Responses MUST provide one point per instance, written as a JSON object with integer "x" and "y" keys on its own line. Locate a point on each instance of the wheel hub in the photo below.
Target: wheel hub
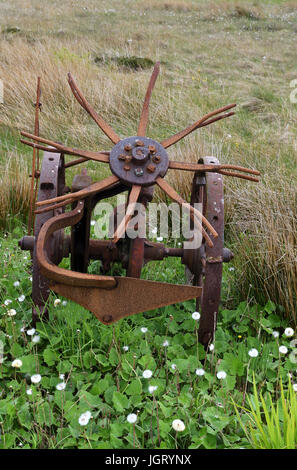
{"x": 138, "y": 160}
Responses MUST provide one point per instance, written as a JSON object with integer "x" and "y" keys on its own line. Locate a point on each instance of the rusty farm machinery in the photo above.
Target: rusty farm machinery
{"x": 137, "y": 164}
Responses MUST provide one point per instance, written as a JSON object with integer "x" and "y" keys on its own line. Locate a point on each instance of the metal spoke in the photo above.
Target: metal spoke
{"x": 87, "y": 154}
{"x": 180, "y": 135}
{"x": 239, "y": 175}
{"x": 194, "y": 213}
{"x": 133, "y": 197}
{"x": 88, "y": 191}
{"x": 108, "y": 131}
{"x": 145, "y": 110}
{"x": 187, "y": 166}
{"x": 54, "y": 206}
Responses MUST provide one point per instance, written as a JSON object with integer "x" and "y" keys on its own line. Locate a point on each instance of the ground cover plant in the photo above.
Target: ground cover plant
{"x": 146, "y": 382}
{"x": 75, "y": 383}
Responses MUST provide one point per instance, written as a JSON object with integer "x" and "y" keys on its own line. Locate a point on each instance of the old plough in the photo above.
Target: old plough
{"x": 137, "y": 164}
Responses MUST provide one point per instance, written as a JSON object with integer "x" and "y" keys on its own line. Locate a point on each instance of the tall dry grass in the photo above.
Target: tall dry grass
{"x": 262, "y": 227}
{"x": 15, "y": 189}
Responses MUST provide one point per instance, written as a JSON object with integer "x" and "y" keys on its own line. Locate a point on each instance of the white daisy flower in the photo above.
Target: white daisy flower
{"x": 154, "y": 230}
{"x": 147, "y": 374}
{"x": 178, "y": 425}
{"x": 211, "y": 347}
{"x": 195, "y": 315}
{"x": 173, "y": 366}
{"x": 57, "y": 302}
{"x": 84, "y": 418}
{"x": 36, "y": 378}
{"x": 21, "y": 298}
{"x": 31, "y": 332}
{"x": 200, "y": 372}
{"x": 165, "y": 343}
{"x": 275, "y": 334}
{"x": 16, "y": 284}
{"x": 29, "y": 391}
{"x": 231, "y": 268}
{"x": 62, "y": 376}
{"x": 221, "y": 375}
{"x": 253, "y": 352}
{"x": 11, "y": 312}
{"x": 36, "y": 339}
{"x": 143, "y": 329}
{"x": 61, "y": 386}
{"x": 17, "y": 363}
{"x": 159, "y": 239}
{"x": 30, "y": 278}
{"x": 7, "y": 302}
{"x": 283, "y": 349}
{"x": 132, "y": 418}
{"x": 125, "y": 348}
{"x": 295, "y": 387}
{"x": 152, "y": 388}
{"x": 289, "y": 332}
{"x": 93, "y": 222}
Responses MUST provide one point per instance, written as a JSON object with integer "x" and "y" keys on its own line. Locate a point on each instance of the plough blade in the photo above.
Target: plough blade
{"x": 130, "y": 296}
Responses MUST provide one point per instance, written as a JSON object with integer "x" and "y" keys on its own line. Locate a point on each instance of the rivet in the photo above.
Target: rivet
{"x": 156, "y": 158}
{"x": 151, "y": 168}
{"x": 138, "y": 171}
{"x": 127, "y": 168}
{"x": 128, "y": 158}
{"x": 139, "y": 143}
{"x": 122, "y": 157}
{"x": 128, "y": 147}
{"x": 152, "y": 148}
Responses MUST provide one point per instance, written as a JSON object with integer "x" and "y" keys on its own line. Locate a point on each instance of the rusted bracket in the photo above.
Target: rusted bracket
{"x": 110, "y": 298}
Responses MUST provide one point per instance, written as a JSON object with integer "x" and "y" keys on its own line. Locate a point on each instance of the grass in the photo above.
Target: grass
{"x": 101, "y": 370}
{"x": 272, "y": 426}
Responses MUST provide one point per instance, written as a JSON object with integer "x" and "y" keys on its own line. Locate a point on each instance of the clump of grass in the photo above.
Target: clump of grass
{"x": 262, "y": 224}
{"x": 271, "y": 424}
{"x": 242, "y": 11}
{"x": 132, "y": 62}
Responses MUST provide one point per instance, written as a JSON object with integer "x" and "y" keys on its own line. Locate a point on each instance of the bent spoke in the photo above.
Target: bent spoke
{"x": 194, "y": 213}
{"x": 88, "y": 191}
{"x": 145, "y": 110}
{"x": 187, "y": 166}
{"x": 108, "y": 131}
{"x": 133, "y": 197}
{"x": 180, "y": 135}
{"x": 87, "y": 154}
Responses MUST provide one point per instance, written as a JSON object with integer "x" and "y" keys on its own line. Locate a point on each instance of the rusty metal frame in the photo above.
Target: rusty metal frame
{"x": 137, "y": 164}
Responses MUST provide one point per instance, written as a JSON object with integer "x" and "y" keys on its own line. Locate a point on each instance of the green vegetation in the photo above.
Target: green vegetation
{"x": 103, "y": 368}
{"x": 211, "y": 54}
